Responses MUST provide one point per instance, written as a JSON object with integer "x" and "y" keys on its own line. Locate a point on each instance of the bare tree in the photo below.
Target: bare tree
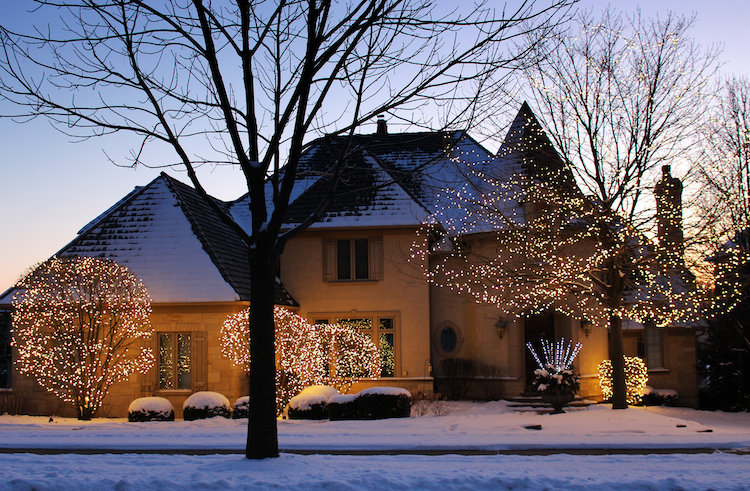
{"x": 620, "y": 97}
{"x": 725, "y": 173}
{"x": 244, "y": 83}
{"x": 725, "y": 208}
{"x": 78, "y": 325}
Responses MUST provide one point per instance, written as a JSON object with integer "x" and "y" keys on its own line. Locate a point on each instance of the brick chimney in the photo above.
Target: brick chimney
{"x": 382, "y": 126}
{"x": 668, "y": 192}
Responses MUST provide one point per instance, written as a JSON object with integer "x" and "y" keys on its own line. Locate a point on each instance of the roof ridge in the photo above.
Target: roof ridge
{"x": 178, "y": 189}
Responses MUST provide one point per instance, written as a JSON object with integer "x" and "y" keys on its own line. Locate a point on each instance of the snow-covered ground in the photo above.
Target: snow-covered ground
{"x": 470, "y": 426}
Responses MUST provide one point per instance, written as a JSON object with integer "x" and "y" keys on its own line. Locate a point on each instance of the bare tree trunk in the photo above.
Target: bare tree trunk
{"x": 262, "y": 439}
{"x": 619, "y": 392}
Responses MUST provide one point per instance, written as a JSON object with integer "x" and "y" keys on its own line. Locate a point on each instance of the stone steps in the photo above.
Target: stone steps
{"x": 530, "y": 401}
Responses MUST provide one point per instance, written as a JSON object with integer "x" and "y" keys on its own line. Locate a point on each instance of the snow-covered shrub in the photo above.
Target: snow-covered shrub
{"x": 241, "y": 408}
{"x": 150, "y": 409}
{"x": 343, "y": 407}
{"x": 659, "y": 397}
{"x": 308, "y": 406}
{"x": 384, "y": 402}
{"x": 322, "y": 390}
{"x": 205, "y": 404}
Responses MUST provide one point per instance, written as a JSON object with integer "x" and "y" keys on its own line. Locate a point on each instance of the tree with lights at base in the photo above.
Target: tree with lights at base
{"x": 78, "y": 324}
{"x": 306, "y": 354}
{"x": 621, "y": 97}
{"x": 527, "y": 240}
{"x": 725, "y": 349}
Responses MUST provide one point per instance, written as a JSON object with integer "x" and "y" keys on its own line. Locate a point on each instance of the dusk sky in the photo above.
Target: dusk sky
{"x": 50, "y": 188}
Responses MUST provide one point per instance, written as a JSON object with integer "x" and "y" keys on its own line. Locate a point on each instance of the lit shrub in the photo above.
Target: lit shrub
{"x": 636, "y": 376}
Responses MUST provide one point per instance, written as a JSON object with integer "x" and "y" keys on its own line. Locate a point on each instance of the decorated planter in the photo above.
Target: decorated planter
{"x": 558, "y": 398}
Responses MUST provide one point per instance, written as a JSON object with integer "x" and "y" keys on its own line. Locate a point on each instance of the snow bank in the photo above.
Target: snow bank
{"x": 154, "y": 404}
{"x": 206, "y": 399}
{"x": 415, "y": 472}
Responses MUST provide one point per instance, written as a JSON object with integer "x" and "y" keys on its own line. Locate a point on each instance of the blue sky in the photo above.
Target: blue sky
{"x": 50, "y": 187}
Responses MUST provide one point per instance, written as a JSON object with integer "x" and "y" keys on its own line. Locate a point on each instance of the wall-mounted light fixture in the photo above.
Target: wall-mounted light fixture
{"x": 586, "y": 325}
{"x": 501, "y": 327}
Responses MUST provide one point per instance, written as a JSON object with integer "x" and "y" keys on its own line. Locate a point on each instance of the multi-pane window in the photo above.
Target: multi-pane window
{"x": 5, "y": 351}
{"x": 353, "y": 259}
{"x": 382, "y": 331}
{"x": 174, "y": 361}
{"x": 654, "y": 348}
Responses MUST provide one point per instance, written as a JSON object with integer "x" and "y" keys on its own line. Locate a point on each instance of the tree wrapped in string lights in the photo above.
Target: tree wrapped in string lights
{"x": 306, "y": 354}
{"x": 78, "y": 324}
{"x": 537, "y": 230}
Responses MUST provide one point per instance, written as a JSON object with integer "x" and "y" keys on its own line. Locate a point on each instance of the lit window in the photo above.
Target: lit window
{"x": 174, "y": 361}
{"x": 5, "y": 351}
{"x": 383, "y": 332}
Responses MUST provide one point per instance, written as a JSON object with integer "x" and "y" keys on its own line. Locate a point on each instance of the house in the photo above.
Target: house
{"x": 362, "y": 264}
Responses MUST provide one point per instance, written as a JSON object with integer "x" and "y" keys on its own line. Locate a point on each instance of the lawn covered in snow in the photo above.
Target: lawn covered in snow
{"x": 469, "y": 426}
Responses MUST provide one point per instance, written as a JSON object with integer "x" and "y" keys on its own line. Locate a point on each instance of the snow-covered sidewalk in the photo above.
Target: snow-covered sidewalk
{"x": 478, "y": 426}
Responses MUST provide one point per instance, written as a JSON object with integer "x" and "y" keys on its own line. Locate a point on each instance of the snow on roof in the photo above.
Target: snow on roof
{"x": 150, "y": 234}
{"x": 175, "y": 243}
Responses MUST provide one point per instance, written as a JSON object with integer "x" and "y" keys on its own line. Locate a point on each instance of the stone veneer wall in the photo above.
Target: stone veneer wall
{"x": 210, "y": 370}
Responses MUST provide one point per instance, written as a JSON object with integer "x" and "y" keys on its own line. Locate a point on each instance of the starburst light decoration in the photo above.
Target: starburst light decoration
{"x": 306, "y": 354}
{"x": 78, "y": 326}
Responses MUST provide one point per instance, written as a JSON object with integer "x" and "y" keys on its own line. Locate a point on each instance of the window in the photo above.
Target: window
{"x": 353, "y": 259}
{"x": 352, "y": 256}
{"x": 654, "y": 347}
{"x": 174, "y": 361}
{"x": 5, "y": 351}
{"x": 383, "y": 331}
{"x": 447, "y": 339}
{"x": 651, "y": 347}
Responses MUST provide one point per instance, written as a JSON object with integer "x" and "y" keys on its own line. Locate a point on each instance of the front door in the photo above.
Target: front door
{"x": 537, "y": 328}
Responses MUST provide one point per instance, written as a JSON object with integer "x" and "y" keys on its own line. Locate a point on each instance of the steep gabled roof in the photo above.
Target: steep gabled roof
{"x": 171, "y": 239}
{"x": 528, "y": 149}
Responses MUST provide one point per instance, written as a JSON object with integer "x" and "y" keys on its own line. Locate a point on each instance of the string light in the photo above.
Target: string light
{"x": 636, "y": 377}
{"x": 531, "y": 244}
{"x": 78, "y": 324}
{"x": 306, "y": 354}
